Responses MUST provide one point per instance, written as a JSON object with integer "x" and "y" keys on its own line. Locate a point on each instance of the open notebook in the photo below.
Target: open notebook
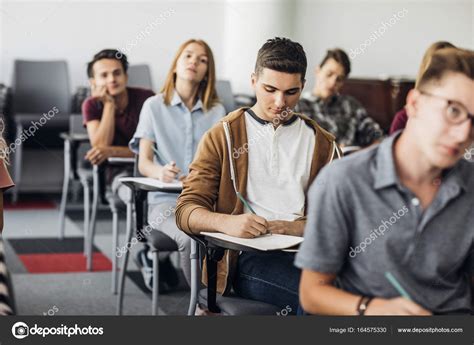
{"x": 153, "y": 182}
{"x": 265, "y": 242}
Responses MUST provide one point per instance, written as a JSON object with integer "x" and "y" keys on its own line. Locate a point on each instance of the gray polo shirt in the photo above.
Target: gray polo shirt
{"x": 362, "y": 222}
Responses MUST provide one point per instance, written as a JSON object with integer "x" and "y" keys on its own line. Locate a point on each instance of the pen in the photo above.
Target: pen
{"x": 248, "y": 206}
{"x": 245, "y": 203}
{"x": 397, "y": 285}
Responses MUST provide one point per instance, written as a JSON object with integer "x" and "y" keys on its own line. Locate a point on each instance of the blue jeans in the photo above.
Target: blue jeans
{"x": 268, "y": 277}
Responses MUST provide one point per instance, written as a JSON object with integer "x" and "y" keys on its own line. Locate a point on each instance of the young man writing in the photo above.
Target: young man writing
{"x": 405, "y": 212}
{"x": 269, "y": 155}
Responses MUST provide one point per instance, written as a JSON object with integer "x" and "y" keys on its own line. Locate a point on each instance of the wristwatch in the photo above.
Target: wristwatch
{"x": 363, "y": 304}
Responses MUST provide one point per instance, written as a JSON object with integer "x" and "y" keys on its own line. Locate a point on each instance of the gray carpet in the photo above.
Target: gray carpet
{"x": 83, "y": 293}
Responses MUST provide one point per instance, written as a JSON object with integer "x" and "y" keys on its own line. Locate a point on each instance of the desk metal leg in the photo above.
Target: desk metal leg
{"x": 67, "y": 175}
{"x": 123, "y": 269}
{"x": 95, "y": 204}
{"x": 87, "y": 210}
{"x": 17, "y": 163}
{"x": 156, "y": 272}
{"x": 194, "y": 257}
{"x": 129, "y": 220}
{"x": 214, "y": 255}
{"x": 114, "y": 250}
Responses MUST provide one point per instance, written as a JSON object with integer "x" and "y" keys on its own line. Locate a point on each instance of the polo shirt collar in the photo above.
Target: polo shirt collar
{"x": 385, "y": 174}
{"x": 264, "y": 122}
{"x": 176, "y": 100}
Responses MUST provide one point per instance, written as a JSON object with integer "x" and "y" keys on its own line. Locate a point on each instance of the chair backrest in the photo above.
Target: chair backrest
{"x": 38, "y": 86}
{"x": 224, "y": 92}
{"x": 139, "y": 76}
{"x": 77, "y": 159}
{"x": 76, "y": 124}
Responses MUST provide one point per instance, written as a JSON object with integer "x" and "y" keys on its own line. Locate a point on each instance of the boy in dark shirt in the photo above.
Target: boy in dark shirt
{"x": 111, "y": 113}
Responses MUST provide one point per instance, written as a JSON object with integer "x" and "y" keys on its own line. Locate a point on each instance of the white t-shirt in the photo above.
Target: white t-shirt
{"x": 279, "y": 165}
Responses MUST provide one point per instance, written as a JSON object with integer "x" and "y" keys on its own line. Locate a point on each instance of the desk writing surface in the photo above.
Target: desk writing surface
{"x": 264, "y": 243}
{"x": 153, "y": 184}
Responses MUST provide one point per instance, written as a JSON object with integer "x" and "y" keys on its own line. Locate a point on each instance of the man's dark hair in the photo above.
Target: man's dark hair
{"x": 282, "y": 55}
{"x": 107, "y": 54}
{"x": 340, "y": 57}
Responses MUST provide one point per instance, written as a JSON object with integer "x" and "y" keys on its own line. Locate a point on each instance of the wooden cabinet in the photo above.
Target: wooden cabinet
{"x": 382, "y": 98}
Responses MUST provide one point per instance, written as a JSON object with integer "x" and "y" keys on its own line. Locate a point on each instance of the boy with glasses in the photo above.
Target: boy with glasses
{"x": 401, "y": 225}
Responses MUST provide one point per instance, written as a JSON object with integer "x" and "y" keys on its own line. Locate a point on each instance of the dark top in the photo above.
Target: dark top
{"x": 125, "y": 122}
{"x": 344, "y": 117}
{"x": 399, "y": 121}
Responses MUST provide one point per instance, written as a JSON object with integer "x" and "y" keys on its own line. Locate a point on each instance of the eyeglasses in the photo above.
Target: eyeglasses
{"x": 454, "y": 112}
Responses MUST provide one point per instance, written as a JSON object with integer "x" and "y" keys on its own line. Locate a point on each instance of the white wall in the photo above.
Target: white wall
{"x": 75, "y": 30}
{"x": 247, "y": 26}
{"x": 326, "y": 24}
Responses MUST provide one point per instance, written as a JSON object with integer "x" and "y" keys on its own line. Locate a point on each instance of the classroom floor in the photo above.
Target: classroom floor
{"x": 49, "y": 275}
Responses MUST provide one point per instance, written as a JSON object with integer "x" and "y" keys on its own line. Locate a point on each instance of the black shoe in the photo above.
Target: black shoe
{"x": 168, "y": 273}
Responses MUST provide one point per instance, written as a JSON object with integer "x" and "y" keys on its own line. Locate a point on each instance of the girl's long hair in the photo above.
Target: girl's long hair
{"x": 207, "y": 91}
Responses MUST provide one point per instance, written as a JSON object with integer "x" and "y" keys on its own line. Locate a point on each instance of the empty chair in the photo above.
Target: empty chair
{"x": 139, "y": 76}
{"x": 40, "y": 97}
{"x": 76, "y": 144}
{"x": 224, "y": 92}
